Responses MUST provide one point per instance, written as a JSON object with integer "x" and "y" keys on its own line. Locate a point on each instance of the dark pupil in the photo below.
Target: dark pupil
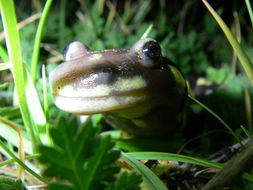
{"x": 65, "y": 50}
{"x": 152, "y": 50}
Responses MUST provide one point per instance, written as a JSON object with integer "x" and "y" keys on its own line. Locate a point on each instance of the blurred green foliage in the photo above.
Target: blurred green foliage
{"x": 187, "y": 33}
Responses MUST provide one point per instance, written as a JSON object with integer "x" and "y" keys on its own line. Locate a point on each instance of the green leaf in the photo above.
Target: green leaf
{"x": 9, "y": 112}
{"x": 55, "y": 186}
{"x": 7, "y": 183}
{"x": 220, "y": 75}
{"x": 126, "y": 182}
{"x": 79, "y": 157}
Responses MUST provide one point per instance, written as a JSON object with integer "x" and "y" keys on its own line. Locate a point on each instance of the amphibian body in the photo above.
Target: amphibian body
{"x": 136, "y": 89}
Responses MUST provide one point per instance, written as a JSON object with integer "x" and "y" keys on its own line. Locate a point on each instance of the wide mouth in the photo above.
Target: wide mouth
{"x": 97, "y": 93}
{"x": 100, "y": 104}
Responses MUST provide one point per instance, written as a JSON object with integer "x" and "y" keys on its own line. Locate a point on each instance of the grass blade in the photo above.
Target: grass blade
{"x": 5, "y": 66}
{"x": 248, "y": 110}
{"x": 150, "y": 179}
{"x": 2, "y": 145}
{"x": 11, "y": 161}
{"x": 249, "y": 10}
{"x": 15, "y": 58}
{"x": 36, "y": 47}
{"x": 181, "y": 158}
{"x": 147, "y": 31}
{"x": 242, "y": 56}
{"x": 10, "y": 135}
{"x": 174, "y": 157}
{"x": 45, "y": 101}
{"x": 217, "y": 117}
{"x": 34, "y": 105}
{"x": 3, "y": 54}
{"x": 21, "y": 153}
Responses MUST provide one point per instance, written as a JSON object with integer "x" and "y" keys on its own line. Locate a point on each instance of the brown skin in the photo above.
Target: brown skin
{"x": 159, "y": 105}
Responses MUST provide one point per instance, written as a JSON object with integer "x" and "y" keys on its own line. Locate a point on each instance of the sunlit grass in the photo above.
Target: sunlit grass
{"x": 242, "y": 56}
{"x": 18, "y": 69}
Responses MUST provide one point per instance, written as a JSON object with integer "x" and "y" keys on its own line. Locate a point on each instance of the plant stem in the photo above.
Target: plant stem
{"x": 21, "y": 163}
{"x": 36, "y": 47}
{"x": 249, "y": 10}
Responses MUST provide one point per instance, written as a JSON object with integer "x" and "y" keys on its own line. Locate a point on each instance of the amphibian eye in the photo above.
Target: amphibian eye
{"x": 152, "y": 50}
{"x": 148, "y": 51}
{"x": 74, "y": 50}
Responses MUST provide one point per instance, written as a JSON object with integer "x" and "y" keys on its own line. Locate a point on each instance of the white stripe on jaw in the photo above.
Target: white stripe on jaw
{"x": 95, "y": 105}
{"x": 121, "y": 85}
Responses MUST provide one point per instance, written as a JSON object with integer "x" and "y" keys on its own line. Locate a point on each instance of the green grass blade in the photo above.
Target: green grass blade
{"x": 36, "y": 47}
{"x": 146, "y": 33}
{"x": 45, "y": 101}
{"x": 181, "y": 158}
{"x": 4, "y": 85}
{"x": 34, "y": 105}
{"x": 247, "y": 132}
{"x": 5, "y": 66}
{"x": 12, "y": 161}
{"x": 242, "y": 56}
{"x": 173, "y": 157}
{"x": 150, "y": 179}
{"x": 249, "y": 10}
{"x": 3, "y": 54}
{"x": 62, "y": 26}
{"x": 109, "y": 20}
{"x": 100, "y": 6}
{"x": 10, "y": 135}
{"x": 2, "y": 145}
{"x": 143, "y": 10}
{"x": 15, "y": 58}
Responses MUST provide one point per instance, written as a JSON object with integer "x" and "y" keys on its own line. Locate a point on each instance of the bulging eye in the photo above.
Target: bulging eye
{"x": 149, "y": 52}
{"x": 74, "y": 50}
{"x": 152, "y": 50}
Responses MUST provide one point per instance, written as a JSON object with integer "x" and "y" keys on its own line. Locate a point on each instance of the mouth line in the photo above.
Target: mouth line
{"x": 130, "y": 93}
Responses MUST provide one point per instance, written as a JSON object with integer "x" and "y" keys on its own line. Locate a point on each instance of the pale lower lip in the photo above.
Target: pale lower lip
{"x": 87, "y": 106}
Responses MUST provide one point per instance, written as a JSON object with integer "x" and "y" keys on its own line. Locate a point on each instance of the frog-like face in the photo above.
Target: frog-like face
{"x": 101, "y": 81}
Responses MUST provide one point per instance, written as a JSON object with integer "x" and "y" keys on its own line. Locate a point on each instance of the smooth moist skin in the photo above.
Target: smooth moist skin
{"x": 136, "y": 89}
